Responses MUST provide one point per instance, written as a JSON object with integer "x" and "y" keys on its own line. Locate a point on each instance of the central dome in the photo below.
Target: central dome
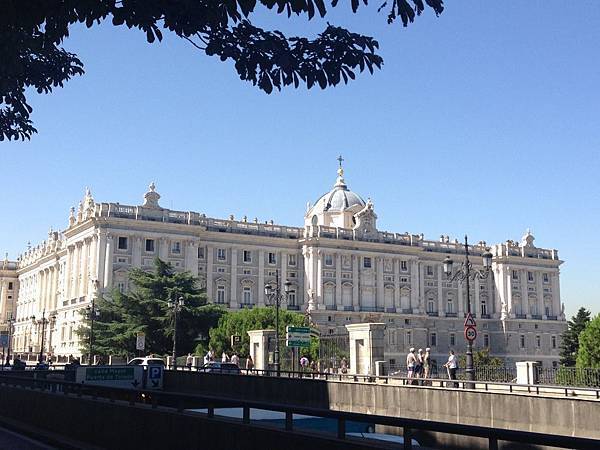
{"x": 340, "y": 198}
{"x": 337, "y": 207}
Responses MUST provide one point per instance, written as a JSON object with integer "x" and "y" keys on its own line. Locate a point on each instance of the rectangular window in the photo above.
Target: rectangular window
{"x": 122, "y": 243}
{"x": 486, "y": 340}
{"x": 522, "y": 341}
{"x": 291, "y": 260}
{"x": 176, "y": 247}
{"x": 530, "y": 276}
{"x": 538, "y": 341}
{"x": 272, "y": 258}
{"x": 221, "y": 254}
{"x": 367, "y": 262}
{"x": 247, "y": 256}
{"x": 247, "y": 272}
{"x": 200, "y": 252}
{"x": 221, "y": 294}
{"x": 432, "y": 339}
{"x": 150, "y": 245}
{"x": 328, "y": 260}
{"x": 430, "y": 271}
{"x": 247, "y": 295}
{"x": 546, "y": 278}
{"x": 553, "y": 341}
{"x": 221, "y": 269}
{"x": 10, "y": 286}
{"x": 409, "y": 338}
{"x": 515, "y": 275}
{"x": 452, "y": 339}
{"x": 403, "y": 266}
{"x": 291, "y": 298}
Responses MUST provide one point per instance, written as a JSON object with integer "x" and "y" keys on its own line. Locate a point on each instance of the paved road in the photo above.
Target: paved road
{"x": 14, "y": 441}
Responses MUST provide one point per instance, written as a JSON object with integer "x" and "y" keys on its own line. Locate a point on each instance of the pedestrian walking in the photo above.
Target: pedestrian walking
{"x": 344, "y": 365}
{"x": 189, "y": 361}
{"x": 411, "y": 360}
{"x": 224, "y": 357}
{"x": 304, "y": 363}
{"x": 249, "y": 364}
{"x": 451, "y": 366}
{"x": 419, "y": 364}
{"x": 427, "y": 363}
{"x": 235, "y": 359}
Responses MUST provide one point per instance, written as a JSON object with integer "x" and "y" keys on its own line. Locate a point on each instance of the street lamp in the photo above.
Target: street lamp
{"x": 92, "y": 313}
{"x": 464, "y": 274}
{"x": 43, "y": 321}
{"x": 275, "y": 296}
{"x": 176, "y": 305}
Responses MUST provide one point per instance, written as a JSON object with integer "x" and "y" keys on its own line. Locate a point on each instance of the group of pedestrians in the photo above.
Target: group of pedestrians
{"x": 418, "y": 363}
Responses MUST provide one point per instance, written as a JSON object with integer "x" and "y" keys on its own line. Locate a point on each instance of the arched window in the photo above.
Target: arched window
{"x": 315, "y": 220}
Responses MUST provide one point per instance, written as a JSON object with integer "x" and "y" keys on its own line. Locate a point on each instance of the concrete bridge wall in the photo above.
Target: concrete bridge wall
{"x": 553, "y": 415}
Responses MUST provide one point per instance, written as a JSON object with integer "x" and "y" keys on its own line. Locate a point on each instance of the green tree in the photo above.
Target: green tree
{"x": 32, "y": 32}
{"x": 570, "y": 337}
{"x": 146, "y": 309}
{"x": 240, "y": 322}
{"x": 481, "y": 358}
{"x": 588, "y": 354}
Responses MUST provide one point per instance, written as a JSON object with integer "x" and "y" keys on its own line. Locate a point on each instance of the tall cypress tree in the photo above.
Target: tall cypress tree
{"x": 570, "y": 338}
{"x": 146, "y": 309}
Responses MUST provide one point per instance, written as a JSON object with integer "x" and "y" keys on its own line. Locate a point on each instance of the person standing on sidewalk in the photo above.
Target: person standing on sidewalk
{"x": 451, "y": 366}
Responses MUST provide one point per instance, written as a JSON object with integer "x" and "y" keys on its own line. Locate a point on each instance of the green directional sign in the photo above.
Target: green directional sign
{"x": 298, "y": 330}
{"x": 297, "y": 343}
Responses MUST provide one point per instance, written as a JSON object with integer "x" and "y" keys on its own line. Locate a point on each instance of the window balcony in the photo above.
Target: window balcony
{"x": 451, "y": 314}
{"x": 536, "y": 316}
{"x": 407, "y": 311}
{"x": 552, "y": 318}
{"x": 521, "y": 316}
{"x": 390, "y": 310}
{"x": 293, "y": 307}
{"x": 485, "y": 316}
{"x": 331, "y": 307}
{"x": 432, "y": 313}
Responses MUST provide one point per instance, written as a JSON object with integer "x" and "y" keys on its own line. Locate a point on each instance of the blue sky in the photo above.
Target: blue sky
{"x": 483, "y": 121}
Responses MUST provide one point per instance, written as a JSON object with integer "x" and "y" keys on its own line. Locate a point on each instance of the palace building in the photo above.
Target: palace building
{"x": 343, "y": 270}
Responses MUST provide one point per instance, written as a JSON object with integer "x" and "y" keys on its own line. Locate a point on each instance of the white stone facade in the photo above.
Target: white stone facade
{"x": 342, "y": 268}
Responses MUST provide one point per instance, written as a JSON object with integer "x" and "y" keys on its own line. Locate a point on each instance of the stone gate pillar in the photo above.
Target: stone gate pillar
{"x": 366, "y": 347}
{"x": 259, "y": 347}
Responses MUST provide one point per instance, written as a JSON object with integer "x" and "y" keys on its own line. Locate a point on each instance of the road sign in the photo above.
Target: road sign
{"x": 155, "y": 377}
{"x": 235, "y": 340}
{"x": 3, "y": 340}
{"x": 470, "y": 334}
{"x": 469, "y": 321}
{"x": 140, "y": 341}
{"x": 298, "y": 336}
{"x": 116, "y": 376}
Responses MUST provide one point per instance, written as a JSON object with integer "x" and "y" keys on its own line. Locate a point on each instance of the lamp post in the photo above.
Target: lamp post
{"x": 464, "y": 274}
{"x": 43, "y": 321}
{"x": 275, "y": 296}
{"x": 176, "y": 304}
{"x": 92, "y": 313}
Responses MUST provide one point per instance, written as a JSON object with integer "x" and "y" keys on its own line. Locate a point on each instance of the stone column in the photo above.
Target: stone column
{"x": 210, "y": 253}
{"x": 319, "y": 300}
{"x": 261, "y": 278}
{"x": 539, "y": 294}
{"x": 108, "y": 262}
{"x": 233, "y": 296}
{"x": 477, "y": 306}
{"x": 397, "y": 306}
{"x": 422, "y": 306}
{"x": 414, "y": 286}
{"x": 380, "y": 296}
{"x": 259, "y": 347}
{"x": 355, "y": 283}
{"x": 101, "y": 255}
{"x": 163, "y": 249}
{"x": 136, "y": 251}
{"x": 366, "y": 347}
{"x": 55, "y": 286}
{"x": 525, "y": 307}
{"x": 441, "y": 309}
{"x": 556, "y": 306}
{"x": 460, "y": 301}
{"x": 85, "y": 272}
{"x": 281, "y": 257}
{"x": 338, "y": 282}
{"x": 77, "y": 270}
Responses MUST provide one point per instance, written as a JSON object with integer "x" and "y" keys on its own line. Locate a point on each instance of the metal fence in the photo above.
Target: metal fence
{"x": 500, "y": 374}
{"x": 568, "y": 376}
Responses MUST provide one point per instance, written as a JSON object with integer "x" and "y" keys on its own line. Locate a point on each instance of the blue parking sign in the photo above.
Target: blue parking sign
{"x": 155, "y": 372}
{"x": 3, "y": 340}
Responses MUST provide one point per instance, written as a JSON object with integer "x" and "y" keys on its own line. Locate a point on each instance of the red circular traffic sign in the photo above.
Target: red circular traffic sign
{"x": 470, "y": 333}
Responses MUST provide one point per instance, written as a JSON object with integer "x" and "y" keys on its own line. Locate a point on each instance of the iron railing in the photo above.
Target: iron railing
{"x": 568, "y": 376}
